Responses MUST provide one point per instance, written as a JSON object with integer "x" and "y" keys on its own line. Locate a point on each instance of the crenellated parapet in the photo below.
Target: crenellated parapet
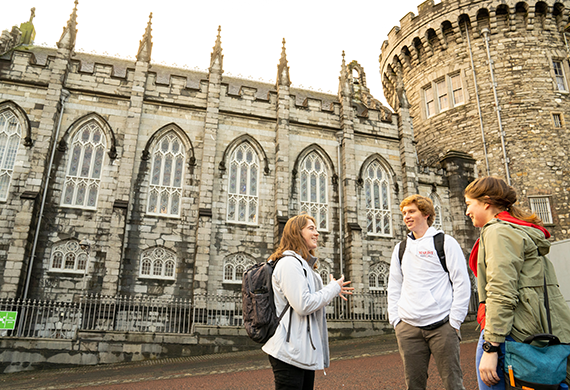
{"x": 436, "y": 27}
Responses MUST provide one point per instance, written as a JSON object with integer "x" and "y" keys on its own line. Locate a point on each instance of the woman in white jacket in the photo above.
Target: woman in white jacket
{"x": 300, "y": 343}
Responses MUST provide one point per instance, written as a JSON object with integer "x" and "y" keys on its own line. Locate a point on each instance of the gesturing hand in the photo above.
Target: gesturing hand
{"x": 343, "y": 288}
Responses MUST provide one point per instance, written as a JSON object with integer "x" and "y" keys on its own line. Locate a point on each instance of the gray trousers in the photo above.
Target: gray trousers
{"x": 416, "y": 345}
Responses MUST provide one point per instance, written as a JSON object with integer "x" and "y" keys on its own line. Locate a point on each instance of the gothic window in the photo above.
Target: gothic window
{"x": 378, "y": 276}
{"x": 243, "y": 180}
{"x": 157, "y": 263}
{"x": 84, "y": 168}
{"x": 559, "y": 75}
{"x": 10, "y": 134}
{"x": 541, "y": 206}
{"x": 442, "y": 96}
{"x": 313, "y": 191}
{"x": 235, "y": 266}
{"x": 68, "y": 256}
{"x": 437, "y": 207}
{"x": 377, "y": 191}
{"x": 167, "y": 171}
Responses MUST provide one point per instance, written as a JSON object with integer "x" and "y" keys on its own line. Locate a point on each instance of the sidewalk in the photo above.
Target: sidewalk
{"x": 371, "y": 362}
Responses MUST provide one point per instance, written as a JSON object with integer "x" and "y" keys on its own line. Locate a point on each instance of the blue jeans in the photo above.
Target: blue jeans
{"x": 501, "y": 385}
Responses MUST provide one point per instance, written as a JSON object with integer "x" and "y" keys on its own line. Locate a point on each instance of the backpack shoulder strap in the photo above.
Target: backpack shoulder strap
{"x": 402, "y": 250}
{"x": 438, "y": 241}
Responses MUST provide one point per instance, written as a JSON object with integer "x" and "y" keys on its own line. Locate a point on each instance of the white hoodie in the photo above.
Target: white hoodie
{"x": 308, "y": 298}
{"x": 420, "y": 292}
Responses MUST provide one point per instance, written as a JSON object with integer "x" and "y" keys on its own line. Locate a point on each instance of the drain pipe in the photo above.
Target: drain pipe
{"x": 478, "y": 102}
{"x": 63, "y": 98}
{"x": 485, "y": 32}
{"x": 341, "y": 208}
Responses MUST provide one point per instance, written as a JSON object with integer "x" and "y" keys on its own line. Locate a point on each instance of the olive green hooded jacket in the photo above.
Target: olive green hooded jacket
{"x": 510, "y": 277}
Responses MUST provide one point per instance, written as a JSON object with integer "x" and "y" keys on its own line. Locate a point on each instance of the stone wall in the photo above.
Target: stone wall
{"x": 92, "y": 348}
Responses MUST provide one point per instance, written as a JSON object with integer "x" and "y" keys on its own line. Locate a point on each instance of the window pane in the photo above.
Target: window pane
{"x": 442, "y": 95}
{"x": 145, "y": 268}
{"x": 233, "y": 179}
{"x": 313, "y": 187}
{"x": 241, "y": 211}
{"x": 81, "y": 261}
{"x": 164, "y": 202}
{"x": 169, "y": 269}
{"x": 74, "y": 165}
{"x": 376, "y": 195}
{"x": 156, "y": 169}
{"x": 370, "y": 223}
{"x": 167, "y": 175}
{"x": 98, "y": 164}
{"x": 322, "y": 189}
{"x": 303, "y": 187}
{"x": 178, "y": 173}
{"x": 80, "y": 199}
{"x": 68, "y": 193}
{"x": 384, "y": 196}
{"x": 57, "y": 260}
{"x": 4, "y": 184}
{"x": 92, "y": 198}
{"x": 87, "y": 155}
{"x": 157, "y": 268}
{"x": 228, "y": 272}
{"x": 368, "y": 193}
{"x": 232, "y": 210}
{"x": 253, "y": 181}
{"x": 12, "y": 149}
{"x": 252, "y": 212}
{"x": 243, "y": 179}
{"x": 152, "y": 202}
{"x": 175, "y": 204}
{"x": 69, "y": 261}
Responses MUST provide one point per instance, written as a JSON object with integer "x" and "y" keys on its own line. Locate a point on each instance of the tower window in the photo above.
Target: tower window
{"x": 541, "y": 206}
{"x": 557, "y": 119}
{"x": 559, "y": 75}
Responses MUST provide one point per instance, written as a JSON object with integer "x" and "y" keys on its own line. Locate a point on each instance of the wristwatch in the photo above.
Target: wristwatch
{"x": 490, "y": 348}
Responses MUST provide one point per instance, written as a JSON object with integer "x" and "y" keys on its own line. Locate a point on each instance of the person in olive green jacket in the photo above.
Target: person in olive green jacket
{"x": 510, "y": 264}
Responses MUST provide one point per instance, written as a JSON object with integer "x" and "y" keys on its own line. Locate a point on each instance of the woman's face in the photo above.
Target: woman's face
{"x": 310, "y": 235}
{"x": 479, "y": 212}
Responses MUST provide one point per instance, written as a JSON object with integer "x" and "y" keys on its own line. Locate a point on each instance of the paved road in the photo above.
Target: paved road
{"x": 366, "y": 363}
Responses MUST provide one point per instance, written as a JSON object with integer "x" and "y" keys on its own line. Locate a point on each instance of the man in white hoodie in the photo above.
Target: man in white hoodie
{"x": 426, "y": 303}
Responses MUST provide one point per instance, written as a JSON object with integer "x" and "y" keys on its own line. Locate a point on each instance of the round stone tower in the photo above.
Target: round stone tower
{"x": 490, "y": 79}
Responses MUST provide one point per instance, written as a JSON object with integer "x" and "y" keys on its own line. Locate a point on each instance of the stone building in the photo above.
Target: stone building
{"x": 134, "y": 178}
{"x": 490, "y": 79}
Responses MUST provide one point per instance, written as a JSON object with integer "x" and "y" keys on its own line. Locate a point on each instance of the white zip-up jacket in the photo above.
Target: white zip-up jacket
{"x": 420, "y": 292}
{"x": 308, "y": 298}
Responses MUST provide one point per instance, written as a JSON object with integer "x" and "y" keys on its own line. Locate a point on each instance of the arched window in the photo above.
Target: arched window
{"x": 84, "y": 168}
{"x": 235, "y": 266}
{"x": 378, "y": 276}
{"x": 242, "y": 185}
{"x": 376, "y": 188}
{"x": 157, "y": 263}
{"x": 10, "y": 134}
{"x": 437, "y": 207}
{"x": 313, "y": 182}
{"x": 68, "y": 256}
{"x": 166, "y": 178}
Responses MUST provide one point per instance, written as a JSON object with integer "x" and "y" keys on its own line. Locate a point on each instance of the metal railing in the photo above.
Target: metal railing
{"x": 55, "y": 319}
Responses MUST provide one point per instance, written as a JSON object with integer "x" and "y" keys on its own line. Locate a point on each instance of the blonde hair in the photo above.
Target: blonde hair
{"x": 494, "y": 191}
{"x": 425, "y": 205}
{"x": 292, "y": 240}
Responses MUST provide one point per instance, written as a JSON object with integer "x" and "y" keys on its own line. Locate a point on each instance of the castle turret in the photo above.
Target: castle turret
{"x": 489, "y": 79}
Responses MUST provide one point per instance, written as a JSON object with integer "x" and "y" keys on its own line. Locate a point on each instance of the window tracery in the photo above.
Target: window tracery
{"x": 157, "y": 263}
{"x": 377, "y": 192}
{"x": 10, "y": 135}
{"x": 84, "y": 168}
{"x": 243, "y": 180}
{"x": 313, "y": 189}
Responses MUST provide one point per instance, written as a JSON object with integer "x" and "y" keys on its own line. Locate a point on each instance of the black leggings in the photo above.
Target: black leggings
{"x": 288, "y": 377}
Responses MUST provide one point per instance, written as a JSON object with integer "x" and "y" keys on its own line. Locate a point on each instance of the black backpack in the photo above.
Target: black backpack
{"x": 438, "y": 241}
{"x": 259, "y": 313}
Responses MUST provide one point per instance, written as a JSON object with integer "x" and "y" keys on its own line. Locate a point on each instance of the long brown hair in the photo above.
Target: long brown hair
{"x": 494, "y": 191}
{"x": 292, "y": 239}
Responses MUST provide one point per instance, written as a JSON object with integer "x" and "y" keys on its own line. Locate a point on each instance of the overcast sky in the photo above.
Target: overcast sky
{"x": 184, "y": 33}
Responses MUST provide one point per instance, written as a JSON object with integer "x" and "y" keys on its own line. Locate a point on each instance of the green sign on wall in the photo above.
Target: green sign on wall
{"x": 8, "y": 319}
